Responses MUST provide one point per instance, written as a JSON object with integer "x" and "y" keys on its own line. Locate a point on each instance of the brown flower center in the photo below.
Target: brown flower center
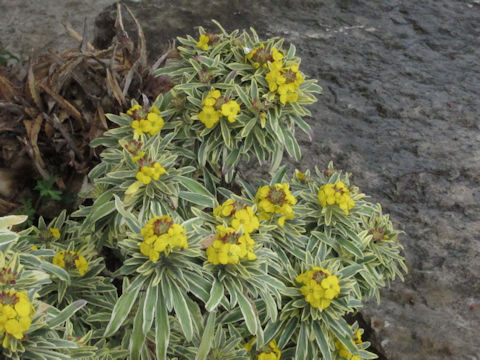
{"x": 7, "y": 298}
{"x": 161, "y": 226}
{"x": 276, "y": 197}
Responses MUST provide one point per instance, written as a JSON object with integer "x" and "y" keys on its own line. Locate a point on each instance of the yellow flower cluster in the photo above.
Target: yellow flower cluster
{"x": 240, "y": 214}
{"x": 146, "y": 122}
{"x": 15, "y": 315}
{"x": 148, "y": 173}
{"x": 161, "y": 234}
{"x": 55, "y": 232}
{"x": 343, "y": 351}
{"x": 71, "y": 260}
{"x": 229, "y": 247}
{"x": 331, "y": 194}
{"x": 285, "y": 80}
{"x": 215, "y": 106}
{"x": 276, "y": 199}
{"x": 319, "y": 288}
{"x": 270, "y": 352}
{"x": 299, "y": 175}
{"x": 203, "y": 42}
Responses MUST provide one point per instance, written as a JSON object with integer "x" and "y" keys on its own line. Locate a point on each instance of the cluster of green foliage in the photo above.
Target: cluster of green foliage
{"x": 227, "y": 283}
{"x": 6, "y": 56}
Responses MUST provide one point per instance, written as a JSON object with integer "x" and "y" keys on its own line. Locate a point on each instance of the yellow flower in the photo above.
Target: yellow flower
{"x": 161, "y": 235}
{"x": 270, "y": 352}
{"x": 285, "y": 81}
{"x": 146, "y": 123}
{"x": 71, "y": 260}
{"x": 139, "y": 155}
{"x": 225, "y": 209}
{"x": 209, "y": 116}
{"x": 319, "y": 287}
{"x": 331, "y": 286}
{"x": 299, "y": 175}
{"x": 331, "y": 194}
{"x": 203, "y": 42}
{"x": 211, "y": 98}
{"x": 248, "y": 346}
{"x": 59, "y": 260}
{"x": 34, "y": 247}
{"x": 229, "y": 247}
{"x": 276, "y": 54}
{"x": 15, "y": 315}
{"x": 274, "y": 79}
{"x": 149, "y": 173}
{"x": 276, "y": 200}
{"x": 55, "y": 232}
{"x": 82, "y": 265}
{"x": 230, "y": 109}
{"x": 134, "y": 108}
{"x": 246, "y": 219}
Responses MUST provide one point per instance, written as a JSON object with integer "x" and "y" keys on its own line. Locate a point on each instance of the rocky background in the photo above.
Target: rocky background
{"x": 400, "y": 111}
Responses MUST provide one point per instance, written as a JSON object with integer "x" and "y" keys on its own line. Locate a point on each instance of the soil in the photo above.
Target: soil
{"x": 400, "y": 111}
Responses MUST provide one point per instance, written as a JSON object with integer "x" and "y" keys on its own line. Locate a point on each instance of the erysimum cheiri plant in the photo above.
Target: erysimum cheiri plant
{"x": 236, "y": 97}
{"x": 172, "y": 256}
{"x": 30, "y": 327}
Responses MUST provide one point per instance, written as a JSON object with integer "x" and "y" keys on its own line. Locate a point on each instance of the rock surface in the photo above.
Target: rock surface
{"x": 400, "y": 110}
{"x": 34, "y": 27}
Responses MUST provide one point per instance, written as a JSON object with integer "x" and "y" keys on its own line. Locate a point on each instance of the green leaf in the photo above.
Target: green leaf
{"x": 302, "y": 343}
{"x": 121, "y": 310}
{"x": 226, "y": 134}
{"x": 207, "y": 337}
{"x": 162, "y": 326}
{"x": 203, "y": 152}
{"x": 302, "y": 124}
{"x": 254, "y": 90}
{"x": 6, "y": 237}
{"x": 182, "y": 311}
{"x": 242, "y": 95}
{"x": 232, "y": 159}
{"x": 322, "y": 341}
{"x": 287, "y": 332}
{"x": 66, "y": 313}
{"x": 9, "y": 221}
{"x": 350, "y": 270}
{"x": 291, "y": 52}
{"x": 149, "y": 308}
{"x": 119, "y": 120}
{"x": 197, "y": 199}
{"x": 350, "y": 247}
{"x": 34, "y": 261}
{"x": 130, "y": 220}
{"x": 291, "y": 145}
{"x": 101, "y": 211}
{"x": 279, "y": 175}
{"x": 247, "y": 128}
{"x": 193, "y": 186}
{"x": 137, "y": 338}
{"x": 240, "y": 67}
{"x": 248, "y": 312}
{"x": 216, "y": 295}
